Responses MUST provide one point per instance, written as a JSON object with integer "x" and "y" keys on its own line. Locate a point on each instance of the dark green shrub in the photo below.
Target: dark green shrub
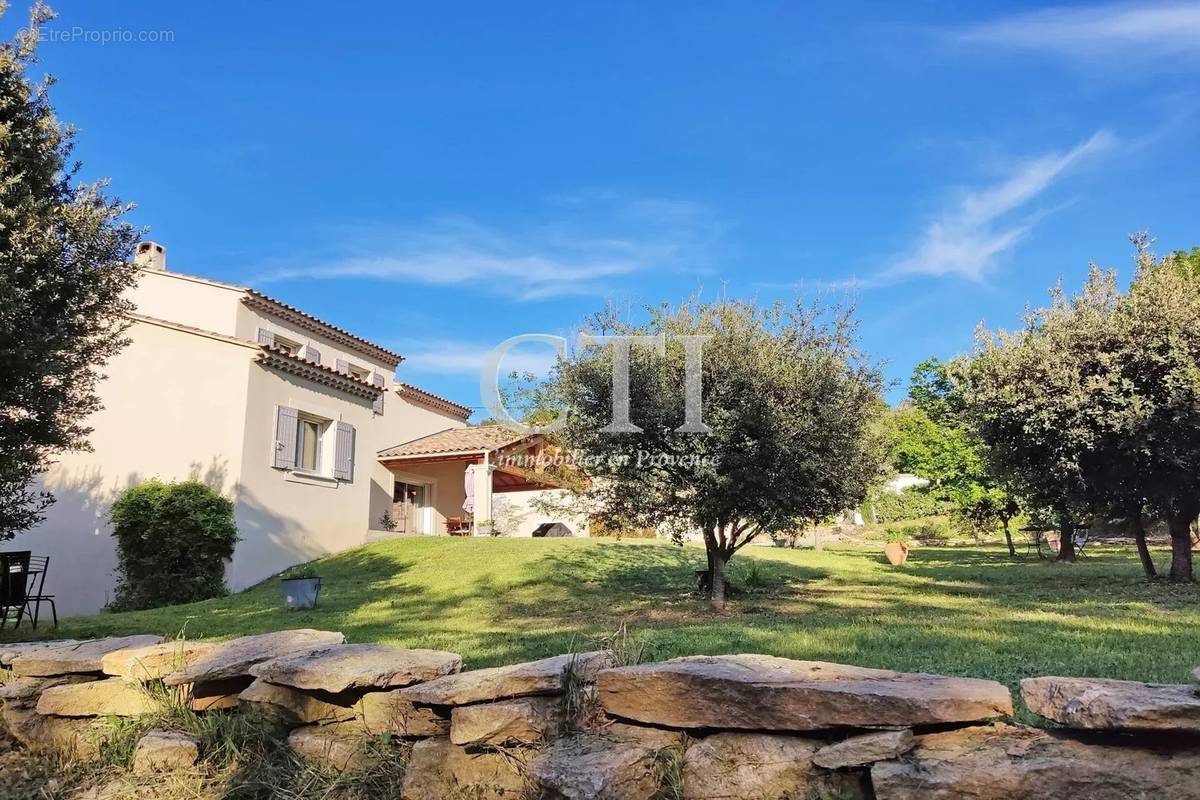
{"x": 172, "y": 542}
{"x": 910, "y": 504}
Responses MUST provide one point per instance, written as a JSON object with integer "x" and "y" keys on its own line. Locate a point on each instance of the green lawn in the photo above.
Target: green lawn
{"x": 964, "y": 611}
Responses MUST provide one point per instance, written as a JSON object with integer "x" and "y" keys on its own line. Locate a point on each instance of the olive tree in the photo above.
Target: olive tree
{"x": 64, "y": 264}
{"x": 787, "y": 430}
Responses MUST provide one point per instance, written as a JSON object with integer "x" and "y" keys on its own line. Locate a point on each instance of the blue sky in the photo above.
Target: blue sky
{"x": 439, "y": 177}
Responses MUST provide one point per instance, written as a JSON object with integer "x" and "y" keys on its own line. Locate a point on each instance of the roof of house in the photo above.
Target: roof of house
{"x": 282, "y": 360}
{"x": 471, "y": 440}
{"x": 436, "y": 402}
{"x": 290, "y": 313}
{"x": 300, "y": 318}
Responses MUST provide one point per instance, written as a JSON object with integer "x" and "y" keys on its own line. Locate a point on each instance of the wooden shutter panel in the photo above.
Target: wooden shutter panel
{"x": 343, "y": 457}
{"x": 312, "y": 354}
{"x": 343, "y": 366}
{"x": 377, "y": 379}
{"x": 265, "y": 336}
{"x": 286, "y": 420}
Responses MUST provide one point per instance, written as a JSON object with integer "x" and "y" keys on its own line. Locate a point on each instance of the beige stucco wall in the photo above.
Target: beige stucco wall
{"x": 518, "y": 513}
{"x": 188, "y": 301}
{"x": 284, "y": 518}
{"x": 159, "y": 420}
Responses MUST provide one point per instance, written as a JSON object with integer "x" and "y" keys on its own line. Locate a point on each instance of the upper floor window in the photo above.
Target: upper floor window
{"x": 288, "y": 346}
{"x": 361, "y": 374}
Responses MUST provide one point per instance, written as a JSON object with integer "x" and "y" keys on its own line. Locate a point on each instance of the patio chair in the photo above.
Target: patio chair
{"x": 22, "y": 588}
{"x": 457, "y": 526}
{"x": 1082, "y": 537}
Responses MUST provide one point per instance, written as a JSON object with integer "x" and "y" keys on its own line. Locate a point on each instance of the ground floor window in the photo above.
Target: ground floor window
{"x": 409, "y": 501}
{"x": 309, "y": 435}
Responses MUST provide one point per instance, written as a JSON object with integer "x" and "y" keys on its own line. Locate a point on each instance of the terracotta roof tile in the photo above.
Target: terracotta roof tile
{"x": 456, "y": 441}
{"x": 277, "y": 357}
{"x": 257, "y": 299}
{"x": 418, "y": 395}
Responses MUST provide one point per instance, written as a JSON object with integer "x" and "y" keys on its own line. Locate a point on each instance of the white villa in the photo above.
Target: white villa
{"x": 301, "y": 423}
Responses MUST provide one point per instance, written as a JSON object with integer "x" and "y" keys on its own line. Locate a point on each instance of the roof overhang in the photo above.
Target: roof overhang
{"x": 302, "y": 319}
{"x": 278, "y": 359}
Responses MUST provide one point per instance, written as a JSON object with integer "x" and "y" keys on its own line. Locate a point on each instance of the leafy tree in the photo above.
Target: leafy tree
{"x": 790, "y": 402}
{"x": 1095, "y": 403}
{"x": 64, "y": 264}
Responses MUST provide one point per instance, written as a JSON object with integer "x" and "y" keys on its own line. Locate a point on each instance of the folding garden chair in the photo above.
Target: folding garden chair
{"x": 22, "y": 587}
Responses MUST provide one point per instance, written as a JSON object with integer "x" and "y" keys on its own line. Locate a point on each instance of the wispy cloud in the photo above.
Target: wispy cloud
{"x": 1116, "y": 31}
{"x": 457, "y": 357}
{"x": 577, "y": 247}
{"x": 965, "y": 240}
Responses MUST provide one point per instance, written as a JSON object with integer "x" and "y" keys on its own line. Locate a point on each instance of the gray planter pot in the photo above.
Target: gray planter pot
{"x": 300, "y": 593}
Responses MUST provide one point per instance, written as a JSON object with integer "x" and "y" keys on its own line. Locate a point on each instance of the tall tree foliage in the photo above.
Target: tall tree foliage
{"x": 1095, "y": 403}
{"x": 791, "y": 403}
{"x": 64, "y": 262}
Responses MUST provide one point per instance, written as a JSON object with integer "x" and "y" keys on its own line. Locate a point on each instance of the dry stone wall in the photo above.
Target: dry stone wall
{"x": 582, "y": 727}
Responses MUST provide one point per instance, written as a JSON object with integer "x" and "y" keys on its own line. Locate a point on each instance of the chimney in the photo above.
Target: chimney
{"x": 151, "y": 255}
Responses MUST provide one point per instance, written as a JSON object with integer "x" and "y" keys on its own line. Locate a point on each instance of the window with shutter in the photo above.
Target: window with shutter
{"x": 286, "y": 420}
{"x": 343, "y": 459}
{"x": 343, "y": 366}
{"x": 265, "y": 336}
{"x": 377, "y": 379}
{"x": 312, "y": 354}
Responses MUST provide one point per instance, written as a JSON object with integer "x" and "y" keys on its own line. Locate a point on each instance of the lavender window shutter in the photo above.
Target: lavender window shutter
{"x": 285, "y": 437}
{"x": 312, "y": 354}
{"x": 377, "y": 379}
{"x": 343, "y": 366}
{"x": 265, "y": 337}
{"x": 343, "y": 458}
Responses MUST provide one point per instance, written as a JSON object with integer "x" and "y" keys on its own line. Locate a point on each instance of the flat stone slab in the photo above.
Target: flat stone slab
{"x": 341, "y": 746}
{"x": 1010, "y": 762}
{"x": 357, "y": 666}
{"x": 767, "y": 693}
{"x": 10, "y": 651}
{"x": 517, "y": 680}
{"x": 1104, "y": 704}
{"x": 439, "y": 769}
{"x": 234, "y": 658}
{"x": 72, "y": 738}
{"x": 24, "y": 692}
{"x": 866, "y": 749}
{"x": 108, "y": 698}
{"x": 521, "y": 720}
{"x": 618, "y": 764}
{"x": 763, "y": 766}
{"x": 218, "y": 695}
{"x": 160, "y": 751}
{"x": 65, "y": 659}
{"x": 153, "y": 661}
{"x": 298, "y": 707}
{"x": 388, "y": 712}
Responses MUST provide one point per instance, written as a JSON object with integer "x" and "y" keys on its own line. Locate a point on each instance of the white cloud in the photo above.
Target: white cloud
{"x": 455, "y": 357}
{"x": 1112, "y": 32}
{"x": 966, "y": 239}
{"x": 575, "y": 251}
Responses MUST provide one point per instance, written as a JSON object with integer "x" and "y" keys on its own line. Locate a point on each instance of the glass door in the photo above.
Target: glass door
{"x": 409, "y": 501}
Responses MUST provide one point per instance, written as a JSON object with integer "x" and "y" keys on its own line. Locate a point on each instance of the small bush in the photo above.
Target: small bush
{"x": 927, "y": 531}
{"x": 172, "y": 542}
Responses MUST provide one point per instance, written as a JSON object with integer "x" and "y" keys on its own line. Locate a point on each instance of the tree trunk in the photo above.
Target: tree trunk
{"x": 717, "y": 579}
{"x": 817, "y": 539}
{"x": 1181, "y": 547}
{"x": 1066, "y": 540}
{"x": 1012, "y": 551}
{"x": 1139, "y": 536}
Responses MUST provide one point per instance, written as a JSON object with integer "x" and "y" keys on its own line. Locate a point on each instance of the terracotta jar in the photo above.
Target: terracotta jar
{"x": 896, "y": 552}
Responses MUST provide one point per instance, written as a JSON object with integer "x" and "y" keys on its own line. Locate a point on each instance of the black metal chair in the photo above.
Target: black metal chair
{"x": 23, "y": 587}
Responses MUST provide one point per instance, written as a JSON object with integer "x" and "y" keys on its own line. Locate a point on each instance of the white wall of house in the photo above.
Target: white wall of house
{"x": 519, "y": 513}
{"x": 187, "y": 400}
{"x": 158, "y": 421}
